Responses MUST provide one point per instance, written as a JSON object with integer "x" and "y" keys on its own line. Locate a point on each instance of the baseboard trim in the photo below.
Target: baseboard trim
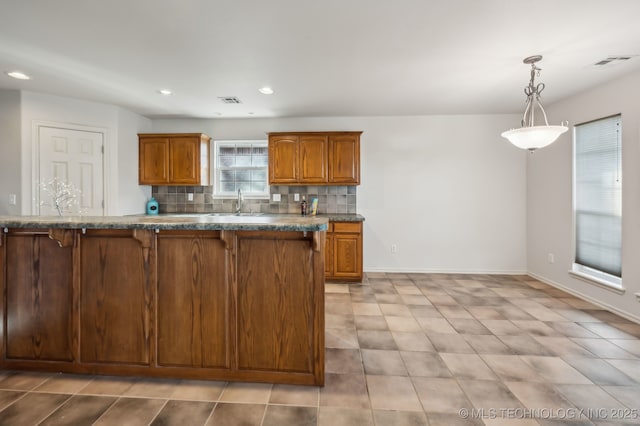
{"x": 448, "y": 271}
{"x": 596, "y": 302}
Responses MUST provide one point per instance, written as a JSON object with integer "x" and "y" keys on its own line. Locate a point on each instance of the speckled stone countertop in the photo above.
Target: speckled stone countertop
{"x": 204, "y": 221}
{"x": 343, "y": 217}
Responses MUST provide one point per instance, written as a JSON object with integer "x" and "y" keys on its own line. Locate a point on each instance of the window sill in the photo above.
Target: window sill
{"x": 598, "y": 282}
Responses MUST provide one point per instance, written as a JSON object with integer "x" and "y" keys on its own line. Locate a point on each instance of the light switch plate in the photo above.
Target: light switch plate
{"x": 296, "y": 197}
{"x": 12, "y": 199}
{"x": 276, "y": 197}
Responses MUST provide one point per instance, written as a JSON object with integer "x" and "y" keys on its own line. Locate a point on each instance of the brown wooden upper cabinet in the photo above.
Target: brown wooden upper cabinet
{"x": 308, "y": 158}
{"x": 173, "y": 159}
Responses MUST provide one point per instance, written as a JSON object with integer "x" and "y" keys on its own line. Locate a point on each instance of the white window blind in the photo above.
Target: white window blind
{"x": 241, "y": 165}
{"x": 598, "y": 195}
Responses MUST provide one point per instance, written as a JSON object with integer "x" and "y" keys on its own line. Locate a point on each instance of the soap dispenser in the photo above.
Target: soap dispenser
{"x": 152, "y": 206}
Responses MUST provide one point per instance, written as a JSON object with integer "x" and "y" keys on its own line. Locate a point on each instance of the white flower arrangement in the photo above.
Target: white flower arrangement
{"x": 65, "y": 197}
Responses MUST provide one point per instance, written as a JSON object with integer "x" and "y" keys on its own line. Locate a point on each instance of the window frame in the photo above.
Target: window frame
{"x": 216, "y": 170}
{"x": 586, "y": 273}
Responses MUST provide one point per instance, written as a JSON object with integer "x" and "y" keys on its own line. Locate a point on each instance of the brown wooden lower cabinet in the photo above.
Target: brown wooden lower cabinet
{"x": 223, "y": 305}
{"x": 343, "y": 253}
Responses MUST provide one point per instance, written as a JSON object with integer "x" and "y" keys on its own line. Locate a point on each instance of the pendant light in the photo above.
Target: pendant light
{"x": 530, "y": 136}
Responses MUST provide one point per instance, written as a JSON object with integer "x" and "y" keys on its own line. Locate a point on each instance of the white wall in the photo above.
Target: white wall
{"x": 447, "y": 190}
{"x": 9, "y": 151}
{"x": 549, "y": 195}
{"x": 120, "y": 143}
{"x": 132, "y": 197}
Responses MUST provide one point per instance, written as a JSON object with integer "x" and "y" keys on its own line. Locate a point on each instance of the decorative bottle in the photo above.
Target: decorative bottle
{"x": 303, "y": 206}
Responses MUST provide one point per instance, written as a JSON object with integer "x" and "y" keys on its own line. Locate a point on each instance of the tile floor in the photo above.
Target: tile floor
{"x": 402, "y": 349}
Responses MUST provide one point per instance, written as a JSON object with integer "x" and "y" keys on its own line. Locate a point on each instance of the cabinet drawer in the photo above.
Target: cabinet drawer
{"x": 350, "y": 227}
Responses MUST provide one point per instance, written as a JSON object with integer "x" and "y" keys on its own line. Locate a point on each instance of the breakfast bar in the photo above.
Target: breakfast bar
{"x": 221, "y": 297}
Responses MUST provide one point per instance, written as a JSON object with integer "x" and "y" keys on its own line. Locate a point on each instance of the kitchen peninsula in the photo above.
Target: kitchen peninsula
{"x": 197, "y": 297}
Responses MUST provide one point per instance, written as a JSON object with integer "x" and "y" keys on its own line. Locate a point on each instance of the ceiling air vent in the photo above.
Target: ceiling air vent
{"x": 613, "y": 59}
{"x": 230, "y": 100}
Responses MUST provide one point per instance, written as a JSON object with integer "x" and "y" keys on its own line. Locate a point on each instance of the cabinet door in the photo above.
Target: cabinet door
{"x": 283, "y": 159}
{"x": 39, "y": 298}
{"x": 314, "y": 150}
{"x": 193, "y": 300}
{"x": 344, "y": 158}
{"x": 184, "y": 160}
{"x": 275, "y": 289}
{"x": 115, "y": 297}
{"x": 153, "y": 168}
{"x": 347, "y": 250}
{"x": 328, "y": 256}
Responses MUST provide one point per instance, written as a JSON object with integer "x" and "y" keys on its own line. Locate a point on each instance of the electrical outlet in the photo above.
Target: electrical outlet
{"x": 394, "y": 248}
{"x": 276, "y": 197}
{"x": 551, "y": 258}
{"x": 12, "y": 199}
{"x": 296, "y": 197}
{"x": 189, "y": 196}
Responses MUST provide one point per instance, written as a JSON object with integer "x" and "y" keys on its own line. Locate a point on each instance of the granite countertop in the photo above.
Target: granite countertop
{"x": 174, "y": 221}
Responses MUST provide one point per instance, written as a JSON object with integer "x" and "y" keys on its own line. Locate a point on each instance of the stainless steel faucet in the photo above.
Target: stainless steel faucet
{"x": 239, "y": 201}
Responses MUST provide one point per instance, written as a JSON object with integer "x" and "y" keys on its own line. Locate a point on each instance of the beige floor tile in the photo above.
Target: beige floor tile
{"x": 64, "y": 383}
{"x": 589, "y": 396}
{"x": 334, "y": 416}
{"x": 627, "y": 395}
{"x": 295, "y": 395}
{"x": 395, "y": 310}
{"x": 256, "y": 393}
{"x": 407, "y": 324}
{"x": 511, "y": 368}
{"x": 449, "y": 312}
{"x": 450, "y": 343}
{"x": 468, "y": 326}
{"x": 603, "y": 348}
{"x": 408, "y": 289}
{"x": 344, "y": 390}
{"x": 392, "y": 393}
{"x": 535, "y": 328}
{"x": 571, "y": 329}
{"x": 555, "y": 370}
{"x": 151, "y": 388}
{"x": 424, "y": 364}
{"x": 280, "y": 415}
{"x": 412, "y": 341}
{"x": 16, "y": 380}
{"x": 399, "y": 418}
{"x": 488, "y": 345}
{"x": 8, "y": 397}
{"x": 448, "y": 419}
{"x": 484, "y": 312}
{"x": 32, "y": 408}
{"x": 419, "y": 311}
{"x": 183, "y": 413}
{"x": 339, "y": 321}
{"x": 440, "y": 300}
{"x": 376, "y": 339}
{"x": 343, "y": 308}
{"x": 468, "y": 366}
{"x": 108, "y": 385}
{"x": 364, "y": 322}
{"x": 131, "y": 412}
{"x": 382, "y": 362}
{"x": 606, "y": 331}
{"x": 600, "y": 372}
{"x": 539, "y": 396}
{"x": 343, "y": 361}
{"x": 366, "y": 309}
{"x": 197, "y": 390}
{"x": 525, "y": 345}
{"x": 440, "y": 395}
{"x": 563, "y": 346}
{"x": 502, "y": 327}
{"x": 336, "y": 288}
{"x": 631, "y": 346}
{"x": 226, "y": 414}
{"x": 489, "y": 394}
{"x": 630, "y": 367}
{"x": 389, "y": 299}
{"x": 80, "y": 410}
{"x": 436, "y": 325}
{"x": 341, "y": 338}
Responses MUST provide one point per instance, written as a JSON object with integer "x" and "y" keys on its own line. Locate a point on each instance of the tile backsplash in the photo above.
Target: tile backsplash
{"x": 331, "y": 199}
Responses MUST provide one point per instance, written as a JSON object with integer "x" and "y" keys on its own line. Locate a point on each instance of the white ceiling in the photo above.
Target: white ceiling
{"x": 322, "y": 57}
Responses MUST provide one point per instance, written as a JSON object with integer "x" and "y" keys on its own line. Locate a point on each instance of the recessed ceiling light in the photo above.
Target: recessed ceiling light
{"x": 266, "y": 90}
{"x": 165, "y": 92}
{"x": 19, "y": 75}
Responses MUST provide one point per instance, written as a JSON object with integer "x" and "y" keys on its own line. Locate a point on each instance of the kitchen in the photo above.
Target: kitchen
{"x": 440, "y": 186}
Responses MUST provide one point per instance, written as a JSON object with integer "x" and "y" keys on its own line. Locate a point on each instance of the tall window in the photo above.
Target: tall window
{"x": 241, "y": 165}
{"x": 598, "y": 200}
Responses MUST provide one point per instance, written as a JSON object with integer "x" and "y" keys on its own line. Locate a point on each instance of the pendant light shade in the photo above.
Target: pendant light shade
{"x": 530, "y": 136}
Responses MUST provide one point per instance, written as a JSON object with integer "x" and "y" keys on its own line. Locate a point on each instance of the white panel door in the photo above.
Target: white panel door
{"x": 72, "y": 156}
